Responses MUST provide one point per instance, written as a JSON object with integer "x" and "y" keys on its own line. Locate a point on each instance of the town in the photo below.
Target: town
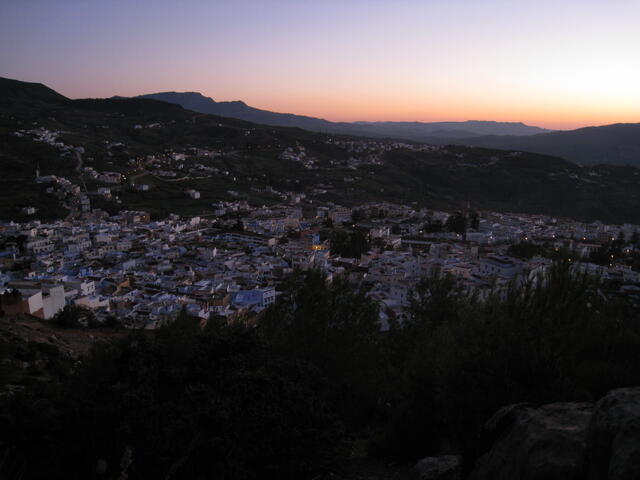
{"x": 290, "y": 240}
{"x": 230, "y": 264}
{"x": 138, "y": 269}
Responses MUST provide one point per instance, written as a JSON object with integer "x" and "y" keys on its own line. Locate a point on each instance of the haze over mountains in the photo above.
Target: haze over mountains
{"x": 617, "y": 144}
{"x": 416, "y": 131}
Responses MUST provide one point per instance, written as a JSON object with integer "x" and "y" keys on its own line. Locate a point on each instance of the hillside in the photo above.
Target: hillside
{"x": 611, "y": 144}
{"x": 229, "y": 159}
{"x": 416, "y": 131}
{"x": 617, "y": 144}
{"x": 16, "y": 94}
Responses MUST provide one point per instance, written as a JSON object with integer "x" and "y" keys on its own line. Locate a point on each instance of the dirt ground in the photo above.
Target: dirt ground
{"x": 75, "y": 342}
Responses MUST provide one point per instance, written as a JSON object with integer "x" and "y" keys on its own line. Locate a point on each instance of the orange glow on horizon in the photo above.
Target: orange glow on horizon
{"x": 555, "y": 117}
{"x": 552, "y": 64}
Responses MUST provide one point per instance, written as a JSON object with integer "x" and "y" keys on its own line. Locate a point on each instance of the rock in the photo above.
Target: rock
{"x": 100, "y": 467}
{"x": 437, "y": 468}
{"x": 546, "y": 443}
{"x": 613, "y": 437}
{"x": 501, "y": 421}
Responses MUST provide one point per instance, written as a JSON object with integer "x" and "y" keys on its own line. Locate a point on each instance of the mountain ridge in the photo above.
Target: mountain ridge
{"x": 250, "y": 161}
{"x": 617, "y": 144}
{"x": 406, "y": 130}
{"x": 16, "y": 91}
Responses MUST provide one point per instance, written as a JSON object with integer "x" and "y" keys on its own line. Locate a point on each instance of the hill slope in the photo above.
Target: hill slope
{"x": 17, "y": 94}
{"x": 613, "y": 144}
{"x": 228, "y": 159}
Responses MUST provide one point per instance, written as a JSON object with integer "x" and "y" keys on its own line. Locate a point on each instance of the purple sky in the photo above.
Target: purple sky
{"x": 554, "y": 63}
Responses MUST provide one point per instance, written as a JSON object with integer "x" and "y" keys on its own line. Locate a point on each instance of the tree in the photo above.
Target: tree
{"x": 179, "y": 403}
{"x": 525, "y": 250}
{"x": 474, "y": 220}
{"x": 239, "y": 225}
{"x": 280, "y": 398}
{"x": 112, "y": 321}
{"x": 357, "y": 216}
{"x": 293, "y": 234}
{"x": 73, "y": 316}
{"x": 432, "y": 226}
{"x": 456, "y": 223}
{"x": 351, "y": 244}
{"x": 601, "y": 256}
{"x": 552, "y": 338}
{"x": 335, "y": 327}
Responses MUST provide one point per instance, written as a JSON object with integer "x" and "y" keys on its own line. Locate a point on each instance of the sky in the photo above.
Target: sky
{"x": 557, "y": 64}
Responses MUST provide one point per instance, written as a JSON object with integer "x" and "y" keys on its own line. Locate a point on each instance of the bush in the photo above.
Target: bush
{"x": 179, "y": 403}
{"x": 281, "y": 399}
{"x": 335, "y": 328}
{"x": 556, "y": 338}
{"x": 74, "y": 316}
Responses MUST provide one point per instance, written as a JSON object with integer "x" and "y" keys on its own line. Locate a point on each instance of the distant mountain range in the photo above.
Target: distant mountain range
{"x": 611, "y": 144}
{"x": 415, "y": 131}
{"x": 617, "y": 144}
{"x": 113, "y": 131}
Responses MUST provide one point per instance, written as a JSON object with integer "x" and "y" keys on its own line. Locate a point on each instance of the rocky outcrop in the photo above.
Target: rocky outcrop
{"x": 613, "y": 438}
{"x": 537, "y": 443}
{"x": 446, "y": 467}
{"x": 569, "y": 441}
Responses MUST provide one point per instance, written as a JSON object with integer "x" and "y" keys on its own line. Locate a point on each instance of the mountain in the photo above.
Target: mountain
{"x": 240, "y": 110}
{"x": 415, "y": 131}
{"x": 14, "y": 93}
{"x": 230, "y": 159}
{"x": 617, "y": 144}
{"x": 612, "y": 144}
{"x": 455, "y": 129}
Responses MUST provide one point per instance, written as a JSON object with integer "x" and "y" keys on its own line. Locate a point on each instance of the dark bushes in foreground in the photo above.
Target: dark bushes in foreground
{"x": 562, "y": 337}
{"x": 281, "y": 399}
{"x": 177, "y": 404}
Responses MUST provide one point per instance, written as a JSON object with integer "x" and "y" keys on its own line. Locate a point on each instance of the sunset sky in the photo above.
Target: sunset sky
{"x": 557, "y": 64}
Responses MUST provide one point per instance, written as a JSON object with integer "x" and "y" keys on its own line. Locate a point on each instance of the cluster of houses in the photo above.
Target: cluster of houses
{"x": 145, "y": 272}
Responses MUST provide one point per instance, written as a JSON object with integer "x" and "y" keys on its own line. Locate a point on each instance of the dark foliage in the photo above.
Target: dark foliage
{"x": 334, "y": 327}
{"x": 282, "y": 399}
{"x": 177, "y": 404}
{"x": 457, "y": 223}
{"x": 525, "y": 250}
{"x": 73, "y": 316}
{"x": 349, "y": 243}
{"x": 432, "y": 226}
{"x": 545, "y": 340}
